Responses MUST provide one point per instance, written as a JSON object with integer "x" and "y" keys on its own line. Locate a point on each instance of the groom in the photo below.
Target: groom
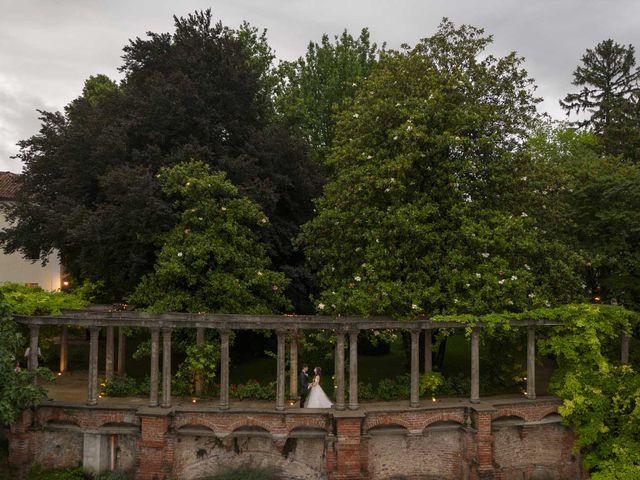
{"x": 303, "y": 384}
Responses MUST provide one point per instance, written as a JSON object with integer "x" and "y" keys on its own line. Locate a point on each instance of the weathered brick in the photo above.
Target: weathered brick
{"x": 427, "y": 443}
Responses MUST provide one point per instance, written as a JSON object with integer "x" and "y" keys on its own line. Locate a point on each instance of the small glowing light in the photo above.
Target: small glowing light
{"x": 525, "y": 393}
{"x": 65, "y": 283}
{"x": 59, "y": 374}
{"x": 525, "y": 378}
{"x": 99, "y": 396}
{"x": 193, "y": 400}
{"x": 596, "y": 298}
{"x": 433, "y": 399}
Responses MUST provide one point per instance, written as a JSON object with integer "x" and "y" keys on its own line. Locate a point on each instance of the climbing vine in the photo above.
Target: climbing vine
{"x": 601, "y": 397}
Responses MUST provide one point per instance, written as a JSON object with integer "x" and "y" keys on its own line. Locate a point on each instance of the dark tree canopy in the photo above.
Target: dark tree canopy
{"x": 609, "y": 95}
{"x": 203, "y": 92}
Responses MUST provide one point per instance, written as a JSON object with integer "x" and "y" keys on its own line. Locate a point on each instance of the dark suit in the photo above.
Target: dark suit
{"x": 303, "y": 387}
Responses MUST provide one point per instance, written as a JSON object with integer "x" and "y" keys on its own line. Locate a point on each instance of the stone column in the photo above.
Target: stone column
{"x": 224, "y": 369}
{"x": 92, "y": 399}
{"x": 153, "y": 377}
{"x": 624, "y": 348}
{"x": 121, "y": 351}
{"x": 428, "y": 350}
{"x": 353, "y": 369}
{"x": 64, "y": 349}
{"x": 199, "y": 378}
{"x": 110, "y": 346}
{"x": 280, "y": 373}
{"x": 415, "y": 368}
{"x": 293, "y": 365}
{"x": 32, "y": 359}
{"x": 166, "y": 368}
{"x": 475, "y": 365}
{"x": 339, "y": 370}
{"x": 531, "y": 362}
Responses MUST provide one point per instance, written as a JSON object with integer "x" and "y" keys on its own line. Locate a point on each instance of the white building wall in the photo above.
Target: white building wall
{"x": 14, "y": 268}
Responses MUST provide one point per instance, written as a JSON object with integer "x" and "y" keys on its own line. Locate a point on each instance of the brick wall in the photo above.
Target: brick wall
{"x": 501, "y": 441}
{"x": 542, "y": 451}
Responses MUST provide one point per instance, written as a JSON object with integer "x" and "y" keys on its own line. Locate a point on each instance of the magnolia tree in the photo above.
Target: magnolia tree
{"x": 428, "y": 208}
{"x": 212, "y": 259}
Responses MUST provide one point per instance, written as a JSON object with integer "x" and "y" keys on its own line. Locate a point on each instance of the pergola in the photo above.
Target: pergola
{"x": 283, "y": 325}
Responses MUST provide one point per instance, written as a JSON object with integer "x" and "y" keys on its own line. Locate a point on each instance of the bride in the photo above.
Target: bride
{"x": 317, "y": 398}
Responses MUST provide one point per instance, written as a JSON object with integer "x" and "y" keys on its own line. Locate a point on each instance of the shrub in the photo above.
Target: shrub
{"x": 120, "y": 386}
{"x": 38, "y": 473}
{"x": 201, "y": 360}
{"x": 387, "y": 389}
{"x": 24, "y": 300}
{"x": 431, "y": 383}
{"x": 366, "y": 391}
{"x": 254, "y": 390}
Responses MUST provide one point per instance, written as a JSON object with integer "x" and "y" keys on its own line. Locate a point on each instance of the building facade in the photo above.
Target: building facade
{"x": 14, "y": 267}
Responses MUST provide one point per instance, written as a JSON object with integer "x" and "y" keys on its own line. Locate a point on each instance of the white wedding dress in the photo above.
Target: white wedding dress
{"x": 317, "y": 398}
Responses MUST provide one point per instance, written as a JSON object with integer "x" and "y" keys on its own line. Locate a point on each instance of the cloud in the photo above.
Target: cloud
{"x": 52, "y": 47}
{"x": 19, "y": 119}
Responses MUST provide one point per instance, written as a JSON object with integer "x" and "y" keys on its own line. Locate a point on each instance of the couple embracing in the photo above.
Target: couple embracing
{"x": 311, "y": 394}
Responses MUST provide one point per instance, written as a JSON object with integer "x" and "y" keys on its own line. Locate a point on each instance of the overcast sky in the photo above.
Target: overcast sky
{"x": 48, "y": 48}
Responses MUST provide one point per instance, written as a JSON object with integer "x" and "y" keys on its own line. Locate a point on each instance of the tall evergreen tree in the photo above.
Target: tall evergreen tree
{"x": 610, "y": 96}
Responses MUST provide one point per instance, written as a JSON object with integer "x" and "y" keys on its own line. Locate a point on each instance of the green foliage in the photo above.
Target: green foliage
{"x": 366, "y": 391}
{"x": 609, "y": 92}
{"x": 17, "y": 388}
{"x": 601, "y": 399}
{"x": 120, "y": 386}
{"x": 428, "y": 210}
{"x": 212, "y": 260}
{"x": 314, "y": 88}
{"x": 246, "y": 473}
{"x": 36, "y": 301}
{"x": 253, "y": 390}
{"x": 204, "y": 90}
{"x": 388, "y": 389}
{"x": 201, "y": 361}
{"x": 38, "y": 473}
{"x": 591, "y": 202}
{"x": 431, "y": 383}
{"x": 112, "y": 476}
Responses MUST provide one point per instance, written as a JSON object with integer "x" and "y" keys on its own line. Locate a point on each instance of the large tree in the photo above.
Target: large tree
{"x": 203, "y": 91}
{"x": 609, "y": 97}
{"x": 429, "y": 208}
{"x": 314, "y": 88}
{"x": 593, "y": 205}
{"x": 212, "y": 259}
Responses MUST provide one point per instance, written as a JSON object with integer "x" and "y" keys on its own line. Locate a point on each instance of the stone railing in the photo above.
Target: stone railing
{"x": 283, "y": 326}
